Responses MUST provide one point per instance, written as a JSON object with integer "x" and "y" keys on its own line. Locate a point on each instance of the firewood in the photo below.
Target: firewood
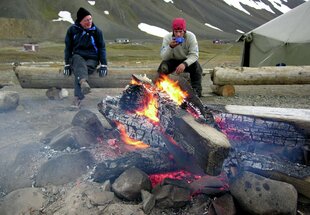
{"x": 226, "y": 90}
{"x": 261, "y": 75}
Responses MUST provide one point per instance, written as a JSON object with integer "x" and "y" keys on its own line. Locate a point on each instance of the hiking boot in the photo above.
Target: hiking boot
{"x": 85, "y": 87}
{"x": 76, "y": 104}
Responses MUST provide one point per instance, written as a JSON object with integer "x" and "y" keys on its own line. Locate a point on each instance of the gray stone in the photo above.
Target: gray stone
{"x": 260, "y": 195}
{"x": 148, "y": 201}
{"x": 74, "y": 137}
{"x": 89, "y": 121}
{"x": 64, "y": 169}
{"x": 22, "y": 201}
{"x": 130, "y": 183}
{"x": 8, "y": 100}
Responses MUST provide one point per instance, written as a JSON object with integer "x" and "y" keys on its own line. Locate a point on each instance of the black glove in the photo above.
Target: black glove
{"x": 67, "y": 70}
{"x": 103, "y": 70}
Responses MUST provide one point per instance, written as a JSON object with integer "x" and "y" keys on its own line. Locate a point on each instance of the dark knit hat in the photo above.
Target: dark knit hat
{"x": 82, "y": 12}
{"x": 179, "y": 24}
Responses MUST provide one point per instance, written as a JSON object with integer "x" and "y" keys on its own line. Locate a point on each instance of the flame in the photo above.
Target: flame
{"x": 150, "y": 109}
{"x": 172, "y": 89}
{"x": 128, "y": 140}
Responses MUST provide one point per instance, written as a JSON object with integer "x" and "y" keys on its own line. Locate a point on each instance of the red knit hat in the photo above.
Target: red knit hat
{"x": 179, "y": 24}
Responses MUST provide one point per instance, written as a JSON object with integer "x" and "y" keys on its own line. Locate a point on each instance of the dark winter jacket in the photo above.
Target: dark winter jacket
{"x": 87, "y": 43}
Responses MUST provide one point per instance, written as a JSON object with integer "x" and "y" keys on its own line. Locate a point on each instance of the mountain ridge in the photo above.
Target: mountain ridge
{"x": 32, "y": 19}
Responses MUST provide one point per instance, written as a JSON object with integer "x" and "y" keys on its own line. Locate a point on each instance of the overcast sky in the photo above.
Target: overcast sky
{"x": 156, "y": 31}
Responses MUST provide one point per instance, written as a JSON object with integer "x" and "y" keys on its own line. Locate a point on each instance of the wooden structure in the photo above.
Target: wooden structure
{"x": 224, "y": 78}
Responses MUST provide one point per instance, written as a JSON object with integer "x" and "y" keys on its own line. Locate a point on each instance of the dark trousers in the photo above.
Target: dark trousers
{"x": 194, "y": 70}
{"x": 81, "y": 69}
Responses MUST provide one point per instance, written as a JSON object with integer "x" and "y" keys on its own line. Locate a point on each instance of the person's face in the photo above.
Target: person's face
{"x": 178, "y": 33}
{"x": 87, "y": 22}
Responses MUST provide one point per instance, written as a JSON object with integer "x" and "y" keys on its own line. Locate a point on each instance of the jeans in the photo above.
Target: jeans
{"x": 81, "y": 69}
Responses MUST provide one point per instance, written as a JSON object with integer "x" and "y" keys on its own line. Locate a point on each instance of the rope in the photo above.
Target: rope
{"x": 216, "y": 55}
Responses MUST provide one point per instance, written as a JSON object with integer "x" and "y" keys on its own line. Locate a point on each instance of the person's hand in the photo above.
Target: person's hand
{"x": 173, "y": 43}
{"x": 67, "y": 70}
{"x": 103, "y": 70}
{"x": 180, "y": 68}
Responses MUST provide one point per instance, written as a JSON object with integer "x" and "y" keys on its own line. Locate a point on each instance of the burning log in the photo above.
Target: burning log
{"x": 157, "y": 116}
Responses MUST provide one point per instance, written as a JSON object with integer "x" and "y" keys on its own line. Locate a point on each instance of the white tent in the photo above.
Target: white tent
{"x": 283, "y": 40}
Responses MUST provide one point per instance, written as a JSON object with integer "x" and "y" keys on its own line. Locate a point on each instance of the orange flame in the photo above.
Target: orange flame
{"x": 172, "y": 89}
{"x": 128, "y": 140}
{"x": 150, "y": 109}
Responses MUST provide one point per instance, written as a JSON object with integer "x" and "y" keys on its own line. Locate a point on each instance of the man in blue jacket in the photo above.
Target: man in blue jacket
{"x": 84, "y": 50}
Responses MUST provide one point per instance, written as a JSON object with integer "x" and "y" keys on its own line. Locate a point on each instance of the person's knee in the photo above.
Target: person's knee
{"x": 163, "y": 68}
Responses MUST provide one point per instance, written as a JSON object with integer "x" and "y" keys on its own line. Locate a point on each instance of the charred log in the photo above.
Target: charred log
{"x": 149, "y": 160}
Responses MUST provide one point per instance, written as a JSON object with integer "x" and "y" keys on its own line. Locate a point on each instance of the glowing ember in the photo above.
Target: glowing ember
{"x": 128, "y": 140}
{"x": 150, "y": 109}
{"x": 172, "y": 89}
{"x": 178, "y": 175}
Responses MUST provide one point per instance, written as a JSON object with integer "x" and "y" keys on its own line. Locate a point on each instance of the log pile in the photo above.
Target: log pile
{"x": 186, "y": 137}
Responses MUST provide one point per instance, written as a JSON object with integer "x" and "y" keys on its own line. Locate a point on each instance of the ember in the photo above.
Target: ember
{"x": 177, "y": 175}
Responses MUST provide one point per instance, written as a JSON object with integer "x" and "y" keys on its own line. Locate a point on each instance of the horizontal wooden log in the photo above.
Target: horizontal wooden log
{"x": 226, "y": 90}
{"x": 48, "y": 76}
{"x": 261, "y": 75}
{"x": 300, "y": 117}
{"x": 149, "y": 160}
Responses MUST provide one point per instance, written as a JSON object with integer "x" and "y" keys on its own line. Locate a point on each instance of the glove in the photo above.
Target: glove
{"x": 67, "y": 70}
{"x": 103, "y": 70}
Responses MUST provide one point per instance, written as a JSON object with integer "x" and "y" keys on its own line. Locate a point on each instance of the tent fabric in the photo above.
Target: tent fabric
{"x": 285, "y": 39}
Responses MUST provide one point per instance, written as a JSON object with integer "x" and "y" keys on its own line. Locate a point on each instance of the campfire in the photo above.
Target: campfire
{"x": 183, "y": 148}
{"x": 145, "y": 116}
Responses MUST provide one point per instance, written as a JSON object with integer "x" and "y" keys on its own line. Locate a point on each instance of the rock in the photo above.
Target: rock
{"x": 8, "y": 100}
{"x": 223, "y": 205}
{"x": 74, "y": 137}
{"x": 130, "y": 183}
{"x": 169, "y": 196}
{"x": 148, "y": 201}
{"x": 64, "y": 169}
{"x": 89, "y": 121}
{"x": 260, "y": 195}
{"x": 22, "y": 201}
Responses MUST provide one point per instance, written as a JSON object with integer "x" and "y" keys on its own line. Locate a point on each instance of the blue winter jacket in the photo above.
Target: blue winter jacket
{"x": 87, "y": 43}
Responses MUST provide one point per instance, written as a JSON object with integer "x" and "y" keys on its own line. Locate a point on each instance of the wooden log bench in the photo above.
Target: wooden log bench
{"x": 224, "y": 78}
{"x": 45, "y": 76}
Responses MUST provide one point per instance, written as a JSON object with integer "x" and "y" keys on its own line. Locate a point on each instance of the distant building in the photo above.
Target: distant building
{"x": 31, "y": 47}
{"x": 122, "y": 40}
{"x": 217, "y": 41}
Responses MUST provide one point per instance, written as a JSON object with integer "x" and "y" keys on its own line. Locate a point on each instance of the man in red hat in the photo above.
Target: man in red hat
{"x": 84, "y": 50}
{"x": 180, "y": 53}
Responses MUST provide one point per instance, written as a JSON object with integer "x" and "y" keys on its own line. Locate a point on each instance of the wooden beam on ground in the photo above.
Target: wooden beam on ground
{"x": 300, "y": 117}
{"x": 48, "y": 76}
{"x": 261, "y": 75}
